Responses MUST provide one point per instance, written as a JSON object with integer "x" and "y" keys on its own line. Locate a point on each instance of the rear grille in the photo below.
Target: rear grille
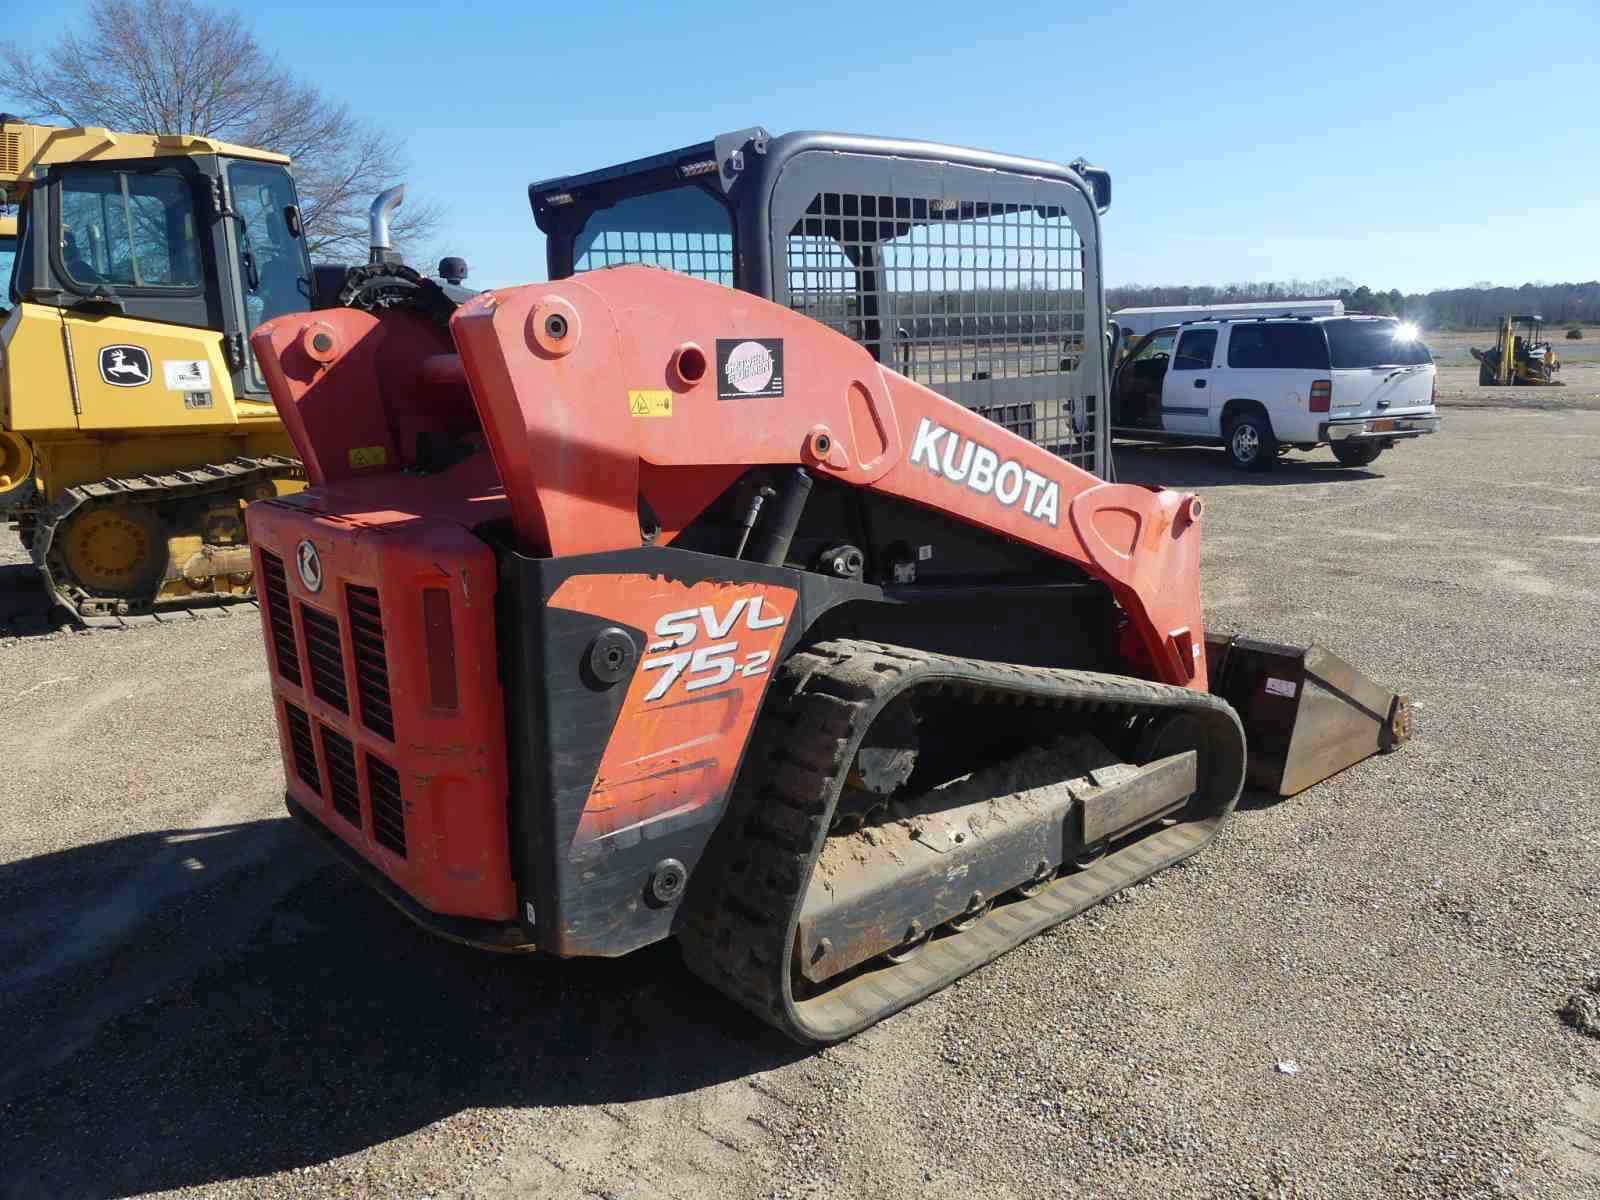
{"x": 343, "y": 790}
{"x": 325, "y": 657}
{"x": 275, "y": 594}
{"x": 372, "y": 666}
{"x": 388, "y": 808}
{"x": 305, "y": 757}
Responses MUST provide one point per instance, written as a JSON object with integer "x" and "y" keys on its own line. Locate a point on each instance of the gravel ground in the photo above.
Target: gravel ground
{"x": 1354, "y": 993}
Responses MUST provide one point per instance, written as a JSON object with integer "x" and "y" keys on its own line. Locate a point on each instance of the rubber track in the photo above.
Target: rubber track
{"x": 739, "y": 927}
{"x": 239, "y": 474}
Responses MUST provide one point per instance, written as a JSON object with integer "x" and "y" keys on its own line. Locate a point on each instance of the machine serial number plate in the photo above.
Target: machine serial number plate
{"x": 197, "y": 400}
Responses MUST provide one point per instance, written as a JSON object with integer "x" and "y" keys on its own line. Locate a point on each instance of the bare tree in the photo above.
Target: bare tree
{"x": 175, "y": 66}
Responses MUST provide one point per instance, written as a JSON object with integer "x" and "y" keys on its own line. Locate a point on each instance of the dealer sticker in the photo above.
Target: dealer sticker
{"x": 749, "y": 369}
{"x": 187, "y": 374}
{"x": 1280, "y": 687}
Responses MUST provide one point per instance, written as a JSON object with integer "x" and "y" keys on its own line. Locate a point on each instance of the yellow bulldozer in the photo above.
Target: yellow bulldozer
{"x": 134, "y": 421}
{"x": 1521, "y": 355}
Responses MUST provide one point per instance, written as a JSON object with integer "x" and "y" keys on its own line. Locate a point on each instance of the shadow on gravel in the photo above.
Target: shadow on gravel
{"x": 25, "y": 610}
{"x": 1254, "y": 799}
{"x": 1205, "y": 466}
{"x": 335, "y": 1025}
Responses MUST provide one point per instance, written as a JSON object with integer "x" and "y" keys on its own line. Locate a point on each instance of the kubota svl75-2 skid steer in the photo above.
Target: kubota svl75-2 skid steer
{"x": 633, "y": 605}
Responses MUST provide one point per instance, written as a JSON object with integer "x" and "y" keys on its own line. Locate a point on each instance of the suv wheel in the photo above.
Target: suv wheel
{"x": 1356, "y": 454}
{"x": 1251, "y": 444}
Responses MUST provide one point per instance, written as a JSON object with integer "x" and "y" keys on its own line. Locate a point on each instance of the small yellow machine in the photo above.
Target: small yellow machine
{"x": 134, "y": 422}
{"x": 1521, "y": 354}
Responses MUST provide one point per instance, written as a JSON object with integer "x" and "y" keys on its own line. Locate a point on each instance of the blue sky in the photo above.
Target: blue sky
{"x": 1406, "y": 144}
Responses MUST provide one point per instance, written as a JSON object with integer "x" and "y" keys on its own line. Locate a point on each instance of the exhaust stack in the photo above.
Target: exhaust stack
{"x": 382, "y": 210}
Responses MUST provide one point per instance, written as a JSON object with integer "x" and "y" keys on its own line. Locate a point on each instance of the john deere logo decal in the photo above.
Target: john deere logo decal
{"x": 125, "y": 366}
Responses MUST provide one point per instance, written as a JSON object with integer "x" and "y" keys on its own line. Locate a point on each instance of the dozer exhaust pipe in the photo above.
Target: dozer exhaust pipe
{"x": 1307, "y": 713}
{"x": 382, "y": 210}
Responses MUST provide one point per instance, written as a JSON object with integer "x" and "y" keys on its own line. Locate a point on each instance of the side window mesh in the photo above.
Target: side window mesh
{"x": 980, "y": 299}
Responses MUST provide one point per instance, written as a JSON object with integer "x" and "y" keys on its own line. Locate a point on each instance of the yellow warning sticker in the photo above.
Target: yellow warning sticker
{"x": 368, "y": 456}
{"x": 650, "y": 402}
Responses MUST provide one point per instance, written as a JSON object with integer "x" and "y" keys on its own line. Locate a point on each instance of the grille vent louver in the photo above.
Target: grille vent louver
{"x": 10, "y": 153}
{"x": 388, "y": 806}
{"x": 372, "y": 665}
{"x": 325, "y": 658}
{"x": 275, "y": 593}
{"x": 305, "y": 757}
{"x": 344, "y": 792}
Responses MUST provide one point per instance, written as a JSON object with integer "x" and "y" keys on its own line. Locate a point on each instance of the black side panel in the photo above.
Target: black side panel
{"x": 593, "y": 897}
{"x": 594, "y": 900}
{"x": 1061, "y": 625}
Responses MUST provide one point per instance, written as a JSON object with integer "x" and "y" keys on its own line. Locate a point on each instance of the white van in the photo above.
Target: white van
{"x": 1260, "y": 386}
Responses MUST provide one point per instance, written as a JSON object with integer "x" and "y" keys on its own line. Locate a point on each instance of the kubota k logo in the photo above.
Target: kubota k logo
{"x": 309, "y": 562}
{"x": 708, "y": 665}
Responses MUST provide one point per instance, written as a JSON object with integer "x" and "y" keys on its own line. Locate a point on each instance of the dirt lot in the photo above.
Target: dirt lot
{"x": 197, "y": 1002}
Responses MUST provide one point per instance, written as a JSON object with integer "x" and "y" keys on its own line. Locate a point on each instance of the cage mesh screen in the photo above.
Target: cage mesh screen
{"x": 703, "y": 255}
{"x": 981, "y": 300}
{"x": 683, "y": 229}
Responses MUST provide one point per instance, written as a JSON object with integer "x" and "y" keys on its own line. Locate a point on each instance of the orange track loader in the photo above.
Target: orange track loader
{"x": 637, "y": 605}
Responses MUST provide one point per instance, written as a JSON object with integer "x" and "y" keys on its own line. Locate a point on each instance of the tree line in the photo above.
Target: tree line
{"x": 1477, "y": 307}
{"x": 178, "y": 66}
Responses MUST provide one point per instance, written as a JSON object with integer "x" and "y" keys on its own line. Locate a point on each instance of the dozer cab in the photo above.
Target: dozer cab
{"x": 1521, "y": 355}
{"x": 134, "y": 422}
{"x": 764, "y": 589}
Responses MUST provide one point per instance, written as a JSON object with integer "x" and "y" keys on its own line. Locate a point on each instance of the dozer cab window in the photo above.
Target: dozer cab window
{"x": 8, "y": 263}
{"x": 274, "y": 268}
{"x": 685, "y": 229}
{"x": 982, "y": 300}
{"x": 127, "y": 230}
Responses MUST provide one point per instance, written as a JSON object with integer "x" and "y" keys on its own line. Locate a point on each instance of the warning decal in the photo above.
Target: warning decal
{"x": 650, "y": 402}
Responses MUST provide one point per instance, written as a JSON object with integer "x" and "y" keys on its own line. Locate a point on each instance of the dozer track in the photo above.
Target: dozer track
{"x": 769, "y": 927}
{"x": 153, "y": 494}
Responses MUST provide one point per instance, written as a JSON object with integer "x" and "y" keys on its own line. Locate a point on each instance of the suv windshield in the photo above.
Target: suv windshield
{"x": 1357, "y": 343}
{"x": 275, "y": 270}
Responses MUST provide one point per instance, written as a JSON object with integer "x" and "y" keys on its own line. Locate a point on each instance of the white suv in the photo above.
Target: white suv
{"x": 1262, "y": 385}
